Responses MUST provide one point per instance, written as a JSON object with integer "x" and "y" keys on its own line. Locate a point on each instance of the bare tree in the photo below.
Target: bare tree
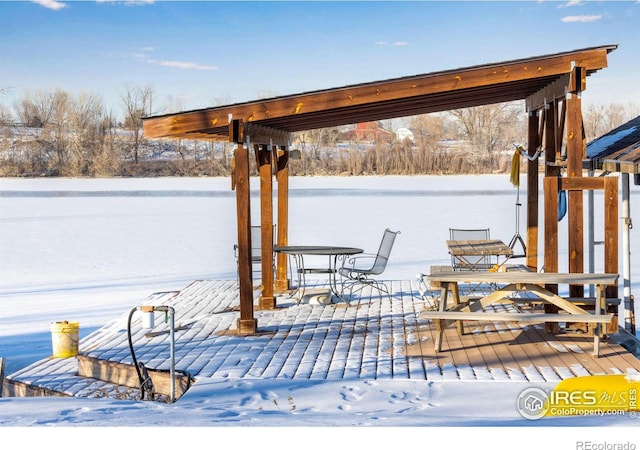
{"x": 428, "y": 131}
{"x": 6, "y": 116}
{"x": 86, "y": 131}
{"x": 594, "y": 121}
{"x": 137, "y": 103}
{"x": 267, "y": 93}
{"x": 599, "y": 119}
{"x": 49, "y": 110}
{"x": 490, "y": 128}
{"x": 41, "y": 108}
{"x": 173, "y": 104}
{"x": 633, "y": 110}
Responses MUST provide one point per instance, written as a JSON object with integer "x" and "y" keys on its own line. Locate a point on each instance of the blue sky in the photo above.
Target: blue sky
{"x": 202, "y": 53}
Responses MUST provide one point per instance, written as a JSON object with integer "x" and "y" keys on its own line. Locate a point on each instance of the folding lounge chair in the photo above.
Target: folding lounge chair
{"x": 471, "y": 262}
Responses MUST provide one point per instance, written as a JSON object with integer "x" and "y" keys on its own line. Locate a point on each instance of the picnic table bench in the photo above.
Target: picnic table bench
{"x": 510, "y": 283}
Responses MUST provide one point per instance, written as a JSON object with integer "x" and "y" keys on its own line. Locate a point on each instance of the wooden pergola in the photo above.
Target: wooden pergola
{"x": 550, "y": 85}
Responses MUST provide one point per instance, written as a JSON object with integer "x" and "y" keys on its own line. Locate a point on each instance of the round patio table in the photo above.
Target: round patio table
{"x": 334, "y": 254}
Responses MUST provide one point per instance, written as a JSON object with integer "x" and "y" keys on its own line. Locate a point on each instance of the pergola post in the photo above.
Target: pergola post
{"x": 246, "y": 324}
{"x": 263, "y": 158}
{"x": 611, "y": 216}
{"x": 553, "y": 127}
{"x": 532, "y": 193}
{"x": 576, "y": 149}
{"x": 282, "y": 178}
{"x": 629, "y": 321}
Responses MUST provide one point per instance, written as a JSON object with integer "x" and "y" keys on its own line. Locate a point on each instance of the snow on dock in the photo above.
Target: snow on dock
{"x": 370, "y": 337}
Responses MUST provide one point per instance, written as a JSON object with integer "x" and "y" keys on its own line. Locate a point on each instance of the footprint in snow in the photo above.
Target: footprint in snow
{"x": 351, "y": 393}
{"x": 266, "y": 399}
{"x": 254, "y": 399}
{"x": 410, "y": 397}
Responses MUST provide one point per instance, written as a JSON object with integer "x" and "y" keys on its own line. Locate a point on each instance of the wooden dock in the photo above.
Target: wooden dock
{"x": 371, "y": 337}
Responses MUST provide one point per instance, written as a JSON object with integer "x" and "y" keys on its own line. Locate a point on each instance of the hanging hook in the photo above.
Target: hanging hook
{"x": 525, "y": 153}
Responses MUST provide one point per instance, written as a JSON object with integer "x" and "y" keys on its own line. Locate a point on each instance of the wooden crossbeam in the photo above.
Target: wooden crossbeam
{"x": 263, "y": 135}
{"x": 553, "y": 91}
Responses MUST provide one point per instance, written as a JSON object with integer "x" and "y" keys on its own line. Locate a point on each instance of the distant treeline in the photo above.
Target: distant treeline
{"x": 57, "y": 134}
{"x": 33, "y": 155}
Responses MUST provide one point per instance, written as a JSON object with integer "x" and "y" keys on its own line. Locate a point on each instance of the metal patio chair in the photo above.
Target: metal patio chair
{"x": 363, "y": 270}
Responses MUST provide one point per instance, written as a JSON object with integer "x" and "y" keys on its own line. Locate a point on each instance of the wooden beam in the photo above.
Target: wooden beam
{"x": 532, "y": 193}
{"x": 576, "y": 149}
{"x": 260, "y": 134}
{"x": 553, "y": 91}
{"x": 369, "y": 94}
{"x": 282, "y": 178}
{"x": 454, "y": 316}
{"x": 15, "y": 388}
{"x": 247, "y": 324}
{"x": 571, "y": 82}
{"x": 126, "y": 375}
{"x": 560, "y": 127}
{"x": 201, "y": 136}
{"x": 611, "y": 230}
{"x": 267, "y": 299}
{"x": 582, "y": 183}
{"x": 550, "y": 185}
{"x": 575, "y": 216}
{"x": 578, "y": 80}
{"x": 551, "y": 144}
{"x": 576, "y": 145}
{"x": 612, "y": 165}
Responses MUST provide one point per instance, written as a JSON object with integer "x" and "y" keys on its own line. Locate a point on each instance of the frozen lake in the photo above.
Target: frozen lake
{"x": 77, "y": 233}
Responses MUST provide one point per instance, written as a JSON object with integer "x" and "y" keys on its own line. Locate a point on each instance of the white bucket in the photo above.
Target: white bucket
{"x": 64, "y": 339}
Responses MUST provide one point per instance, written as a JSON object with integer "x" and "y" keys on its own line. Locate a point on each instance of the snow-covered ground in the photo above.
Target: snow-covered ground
{"x": 89, "y": 250}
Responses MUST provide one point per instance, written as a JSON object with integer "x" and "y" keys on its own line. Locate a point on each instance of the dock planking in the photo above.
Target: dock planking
{"x": 372, "y": 337}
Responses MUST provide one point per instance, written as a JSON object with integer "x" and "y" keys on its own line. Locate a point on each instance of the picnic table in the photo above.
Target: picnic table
{"x": 510, "y": 283}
